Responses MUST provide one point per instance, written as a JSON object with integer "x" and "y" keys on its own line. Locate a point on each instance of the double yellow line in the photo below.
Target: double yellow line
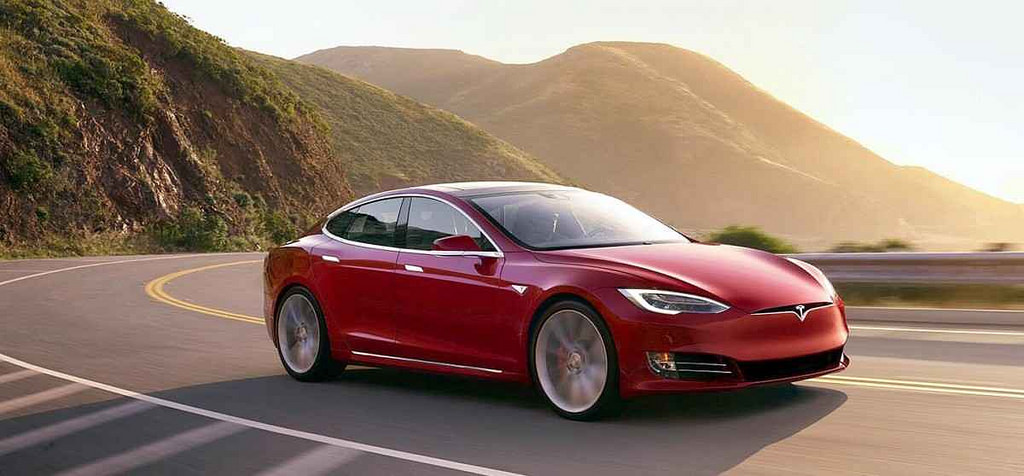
{"x": 155, "y": 290}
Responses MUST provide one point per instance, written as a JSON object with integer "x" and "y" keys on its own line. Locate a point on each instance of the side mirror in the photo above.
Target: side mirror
{"x": 456, "y": 243}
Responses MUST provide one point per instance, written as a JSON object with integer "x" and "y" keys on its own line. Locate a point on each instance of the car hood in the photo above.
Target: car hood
{"x": 747, "y": 279}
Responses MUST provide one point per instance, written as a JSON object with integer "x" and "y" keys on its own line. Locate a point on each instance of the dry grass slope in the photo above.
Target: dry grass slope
{"x": 689, "y": 140}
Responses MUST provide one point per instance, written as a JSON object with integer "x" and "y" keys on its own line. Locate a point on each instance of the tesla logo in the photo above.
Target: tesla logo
{"x": 800, "y": 310}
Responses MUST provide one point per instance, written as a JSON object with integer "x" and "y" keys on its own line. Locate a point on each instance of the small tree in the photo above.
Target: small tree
{"x": 751, "y": 237}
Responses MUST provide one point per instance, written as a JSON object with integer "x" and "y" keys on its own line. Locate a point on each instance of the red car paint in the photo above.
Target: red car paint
{"x": 462, "y": 315}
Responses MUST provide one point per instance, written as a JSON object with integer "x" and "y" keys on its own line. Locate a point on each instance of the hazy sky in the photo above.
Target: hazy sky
{"x": 933, "y": 83}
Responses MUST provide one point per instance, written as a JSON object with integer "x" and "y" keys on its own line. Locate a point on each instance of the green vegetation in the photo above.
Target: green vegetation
{"x": 194, "y": 230}
{"x": 52, "y": 245}
{"x": 53, "y": 52}
{"x": 888, "y": 244}
{"x": 988, "y": 296}
{"x": 209, "y": 56}
{"x": 85, "y": 87}
{"x": 24, "y": 170}
{"x": 751, "y": 237}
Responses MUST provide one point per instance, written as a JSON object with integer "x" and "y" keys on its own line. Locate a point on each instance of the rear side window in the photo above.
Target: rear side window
{"x": 374, "y": 223}
{"x": 430, "y": 220}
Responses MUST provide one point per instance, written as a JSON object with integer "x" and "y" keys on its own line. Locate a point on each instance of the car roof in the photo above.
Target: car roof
{"x": 468, "y": 189}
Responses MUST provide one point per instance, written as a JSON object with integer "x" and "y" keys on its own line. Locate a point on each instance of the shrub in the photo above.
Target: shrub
{"x": 242, "y": 199}
{"x": 278, "y": 228}
{"x": 193, "y": 230}
{"x": 888, "y": 244}
{"x": 894, "y": 244}
{"x": 24, "y": 170}
{"x": 751, "y": 237}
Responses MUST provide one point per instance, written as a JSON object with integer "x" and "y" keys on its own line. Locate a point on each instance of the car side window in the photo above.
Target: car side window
{"x": 430, "y": 220}
{"x": 374, "y": 223}
{"x": 337, "y": 225}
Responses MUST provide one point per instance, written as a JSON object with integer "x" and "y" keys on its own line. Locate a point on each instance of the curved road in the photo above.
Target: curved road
{"x": 100, "y": 373}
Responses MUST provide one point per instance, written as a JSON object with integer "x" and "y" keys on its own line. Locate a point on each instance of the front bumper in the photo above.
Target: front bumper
{"x": 746, "y": 374}
{"x": 746, "y": 349}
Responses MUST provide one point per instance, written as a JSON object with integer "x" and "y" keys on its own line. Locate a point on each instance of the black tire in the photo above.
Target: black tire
{"x": 609, "y": 403}
{"x": 324, "y": 366}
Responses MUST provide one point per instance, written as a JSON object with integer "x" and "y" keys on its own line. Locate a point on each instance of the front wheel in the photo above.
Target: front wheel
{"x": 573, "y": 362}
{"x": 302, "y": 342}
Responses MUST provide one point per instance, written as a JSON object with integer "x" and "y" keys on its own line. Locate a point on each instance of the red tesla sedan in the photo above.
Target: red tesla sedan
{"x": 576, "y": 292}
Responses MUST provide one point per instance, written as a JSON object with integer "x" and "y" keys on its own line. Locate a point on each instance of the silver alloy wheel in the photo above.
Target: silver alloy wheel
{"x": 298, "y": 333}
{"x": 571, "y": 361}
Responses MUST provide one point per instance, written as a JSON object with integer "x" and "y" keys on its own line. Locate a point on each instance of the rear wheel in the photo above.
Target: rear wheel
{"x": 302, "y": 342}
{"x": 573, "y": 362}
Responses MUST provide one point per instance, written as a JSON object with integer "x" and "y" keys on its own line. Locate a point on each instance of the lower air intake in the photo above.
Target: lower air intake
{"x": 759, "y": 370}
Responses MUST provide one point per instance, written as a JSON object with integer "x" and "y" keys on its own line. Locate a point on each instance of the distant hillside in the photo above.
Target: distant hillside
{"x": 689, "y": 140}
{"x": 123, "y": 128}
{"x": 386, "y": 141}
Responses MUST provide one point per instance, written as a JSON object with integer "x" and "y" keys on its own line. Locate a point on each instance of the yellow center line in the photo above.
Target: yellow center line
{"x": 155, "y": 289}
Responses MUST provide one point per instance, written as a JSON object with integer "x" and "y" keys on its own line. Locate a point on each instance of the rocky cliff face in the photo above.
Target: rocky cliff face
{"x": 116, "y": 115}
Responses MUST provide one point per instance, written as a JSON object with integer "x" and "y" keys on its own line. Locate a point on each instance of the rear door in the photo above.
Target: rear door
{"x": 450, "y": 309}
{"x": 355, "y": 272}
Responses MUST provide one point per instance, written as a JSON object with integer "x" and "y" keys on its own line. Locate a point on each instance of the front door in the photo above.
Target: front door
{"x": 449, "y": 309}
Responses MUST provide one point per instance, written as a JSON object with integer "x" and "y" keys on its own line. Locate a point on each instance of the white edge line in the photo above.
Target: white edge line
{"x": 398, "y": 454}
{"x": 934, "y": 309}
{"x": 104, "y": 263}
{"x": 937, "y": 331}
{"x": 468, "y": 468}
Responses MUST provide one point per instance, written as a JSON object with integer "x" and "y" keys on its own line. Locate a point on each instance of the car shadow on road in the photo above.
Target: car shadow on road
{"x": 507, "y": 426}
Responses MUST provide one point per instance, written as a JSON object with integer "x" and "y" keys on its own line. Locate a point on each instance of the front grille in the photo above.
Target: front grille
{"x": 759, "y": 370}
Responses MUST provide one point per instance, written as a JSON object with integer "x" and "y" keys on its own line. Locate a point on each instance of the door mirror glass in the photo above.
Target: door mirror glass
{"x": 463, "y": 243}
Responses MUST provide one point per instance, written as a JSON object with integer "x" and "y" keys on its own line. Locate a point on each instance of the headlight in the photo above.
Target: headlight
{"x": 669, "y": 302}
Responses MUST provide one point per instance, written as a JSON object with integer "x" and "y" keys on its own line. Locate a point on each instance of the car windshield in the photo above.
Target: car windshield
{"x": 572, "y": 219}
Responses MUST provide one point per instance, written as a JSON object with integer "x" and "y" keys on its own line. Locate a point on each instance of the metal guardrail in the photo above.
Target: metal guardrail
{"x": 913, "y": 267}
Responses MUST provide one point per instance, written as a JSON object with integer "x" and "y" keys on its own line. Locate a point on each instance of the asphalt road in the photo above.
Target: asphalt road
{"x": 99, "y": 377}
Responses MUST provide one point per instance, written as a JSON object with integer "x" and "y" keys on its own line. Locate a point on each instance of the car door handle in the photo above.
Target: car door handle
{"x": 333, "y": 259}
{"x": 413, "y": 268}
